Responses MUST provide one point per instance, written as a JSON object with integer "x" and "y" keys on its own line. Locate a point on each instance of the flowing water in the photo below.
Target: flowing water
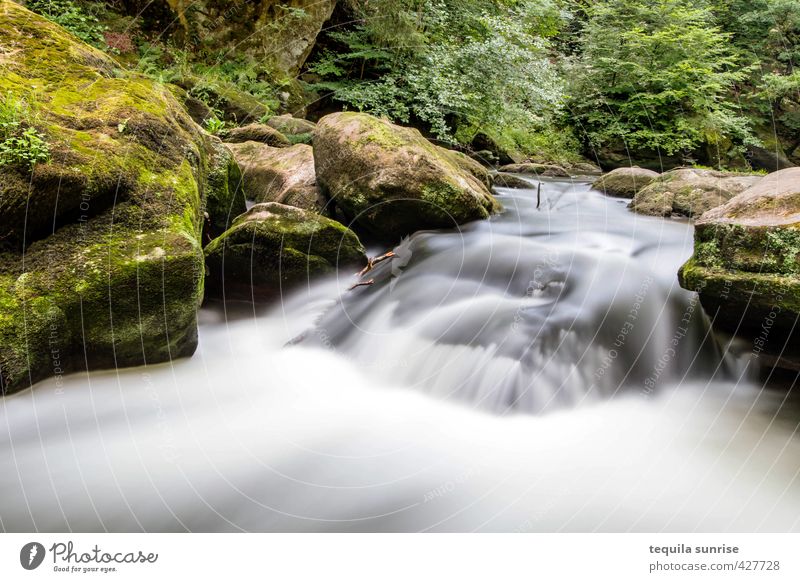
{"x": 540, "y": 371}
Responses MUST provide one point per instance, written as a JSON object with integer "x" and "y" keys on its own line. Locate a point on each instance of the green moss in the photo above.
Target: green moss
{"x": 116, "y": 279}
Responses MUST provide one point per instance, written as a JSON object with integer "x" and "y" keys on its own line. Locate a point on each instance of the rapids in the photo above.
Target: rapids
{"x": 540, "y": 371}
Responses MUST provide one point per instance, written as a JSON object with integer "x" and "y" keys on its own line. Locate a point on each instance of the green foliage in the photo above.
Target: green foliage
{"x": 72, "y": 17}
{"x": 170, "y": 65}
{"x": 456, "y": 67}
{"x": 20, "y": 143}
{"x": 656, "y": 76}
{"x": 214, "y": 125}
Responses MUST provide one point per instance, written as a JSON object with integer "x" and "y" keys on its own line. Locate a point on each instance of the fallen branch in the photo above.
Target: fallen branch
{"x": 374, "y": 261}
{"x": 361, "y": 284}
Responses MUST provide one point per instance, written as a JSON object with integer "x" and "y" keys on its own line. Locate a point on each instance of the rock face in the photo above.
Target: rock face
{"x": 256, "y": 132}
{"x": 550, "y": 170}
{"x": 392, "y": 181}
{"x": 284, "y": 175}
{"x": 113, "y": 269}
{"x": 690, "y": 192}
{"x": 273, "y": 247}
{"x": 625, "y": 182}
{"x": 746, "y": 266}
{"x": 278, "y": 32}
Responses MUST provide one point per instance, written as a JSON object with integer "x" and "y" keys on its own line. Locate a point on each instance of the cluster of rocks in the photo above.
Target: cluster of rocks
{"x": 680, "y": 192}
{"x": 109, "y": 248}
{"x": 746, "y": 261}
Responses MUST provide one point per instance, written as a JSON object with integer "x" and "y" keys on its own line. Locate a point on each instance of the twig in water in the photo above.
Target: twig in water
{"x": 539, "y": 195}
{"x": 361, "y": 284}
{"x": 374, "y": 261}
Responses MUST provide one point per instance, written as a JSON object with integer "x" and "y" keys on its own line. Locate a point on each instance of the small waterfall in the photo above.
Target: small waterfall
{"x": 535, "y": 309}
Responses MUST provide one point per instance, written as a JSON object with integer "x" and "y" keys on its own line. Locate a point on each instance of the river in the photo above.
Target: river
{"x": 540, "y": 371}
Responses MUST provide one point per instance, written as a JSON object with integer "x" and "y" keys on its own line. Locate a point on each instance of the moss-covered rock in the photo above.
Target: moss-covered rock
{"x": 284, "y": 175}
{"x": 690, "y": 191}
{"x": 292, "y": 126}
{"x": 273, "y": 247}
{"x": 507, "y": 180}
{"x": 625, "y": 182}
{"x": 225, "y": 195}
{"x": 278, "y": 33}
{"x": 236, "y": 105}
{"x": 469, "y": 165}
{"x": 391, "y": 180}
{"x": 746, "y": 266}
{"x": 256, "y": 132}
{"x": 112, "y": 272}
{"x": 535, "y": 169}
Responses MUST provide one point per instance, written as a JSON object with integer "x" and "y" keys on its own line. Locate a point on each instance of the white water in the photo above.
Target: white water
{"x": 474, "y": 386}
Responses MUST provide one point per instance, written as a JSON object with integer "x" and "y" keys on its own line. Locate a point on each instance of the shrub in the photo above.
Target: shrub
{"x": 21, "y": 144}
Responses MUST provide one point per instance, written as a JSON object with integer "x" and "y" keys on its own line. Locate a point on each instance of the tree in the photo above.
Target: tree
{"x": 655, "y": 76}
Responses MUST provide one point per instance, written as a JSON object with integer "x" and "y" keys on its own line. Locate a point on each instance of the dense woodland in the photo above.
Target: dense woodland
{"x": 679, "y": 81}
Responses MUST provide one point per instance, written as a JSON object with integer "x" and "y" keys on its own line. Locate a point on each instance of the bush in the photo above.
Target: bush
{"x": 73, "y": 18}
{"x": 20, "y": 143}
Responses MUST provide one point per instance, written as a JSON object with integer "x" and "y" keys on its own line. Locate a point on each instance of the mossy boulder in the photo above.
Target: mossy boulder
{"x": 625, "y": 182}
{"x": 277, "y": 33}
{"x": 507, "y": 180}
{"x": 746, "y": 266}
{"x": 292, "y": 126}
{"x": 690, "y": 191}
{"x": 112, "y": 271}
{"x": 273, "y": 247}
{"x": 236, "y": 105}
{"x": 536, "y": 169}
{"x": 284, "y": 175}
{"x": 392, "y": 181}
{"x": 469, "y": 165}
{"x": 225, "y": 195}
{"x": 256, "y": 132}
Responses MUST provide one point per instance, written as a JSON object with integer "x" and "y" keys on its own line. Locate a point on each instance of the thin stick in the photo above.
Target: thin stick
{"x": 374, "y": 261}
{"x": 361, "y": 284}
{"x": 539, "y": 195}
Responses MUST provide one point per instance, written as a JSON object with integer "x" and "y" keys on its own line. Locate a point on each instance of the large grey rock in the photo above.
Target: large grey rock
{"x": 746, "y": 266}
{"x": 690, "y": 191}
{"x": 284, "y": 175}
{"x": 391, "y": 180}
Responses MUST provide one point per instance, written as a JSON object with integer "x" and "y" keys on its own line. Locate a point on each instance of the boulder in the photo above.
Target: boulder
{"x": 470, "y": 165}
{"x": 550, "y": 170}
{"x": 506, "y": 180}
{"x": 392, "y": 181}
{"x": 292, "y": 126}
{"x": 284, "y": 175}
{"x": 625, "y": 182}
{"x": 746, "y": 267}
{"x": 225, "y": 198}
{"x": 256, "y": 132}
{"x": 235, "y": 105}
{"x": 273, "y": 247}
{"x": 273, "y": 32}
{"x": 690, "y": 191}
{"x": 110, "y": 226}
